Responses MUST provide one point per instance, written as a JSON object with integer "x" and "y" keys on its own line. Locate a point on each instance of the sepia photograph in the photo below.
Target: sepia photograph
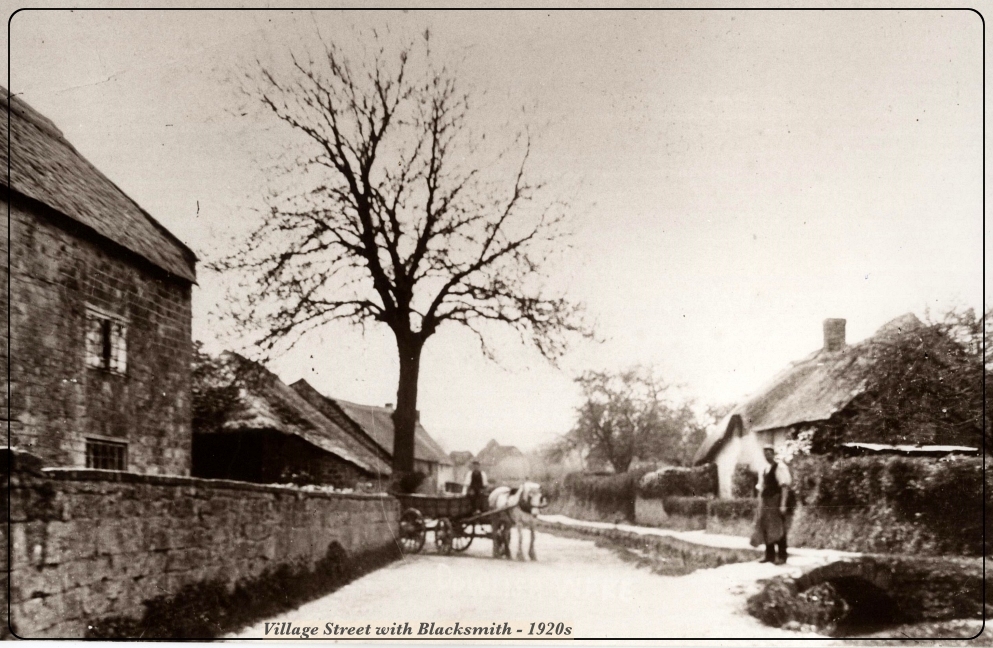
{"x": 524, "y": 326}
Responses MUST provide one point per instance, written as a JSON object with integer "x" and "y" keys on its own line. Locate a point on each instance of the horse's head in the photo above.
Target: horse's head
{"x": 532, "y": 497}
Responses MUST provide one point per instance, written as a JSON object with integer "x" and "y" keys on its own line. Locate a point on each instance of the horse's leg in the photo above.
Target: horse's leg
{"x": 531, "y": 553}
{"x": 520, "y": 539}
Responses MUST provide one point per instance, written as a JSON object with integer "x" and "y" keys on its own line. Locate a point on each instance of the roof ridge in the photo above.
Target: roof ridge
{"x": 28, "y": 117}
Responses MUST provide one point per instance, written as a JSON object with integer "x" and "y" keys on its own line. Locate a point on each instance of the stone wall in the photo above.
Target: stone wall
{"x": 87, "y": 545}
{"x": 59, "y": 272}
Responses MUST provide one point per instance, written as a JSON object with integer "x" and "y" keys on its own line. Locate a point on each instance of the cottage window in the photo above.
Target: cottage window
{"x": 106, "y": 341}
{"x": 106, "y": 455}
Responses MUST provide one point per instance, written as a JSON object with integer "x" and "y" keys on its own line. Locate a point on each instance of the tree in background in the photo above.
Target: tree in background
{"x": 924, "y": 385}
{"x": 627, "y": 415}
{"x": 214, "y": 391}
{"x": 392, "y": 217}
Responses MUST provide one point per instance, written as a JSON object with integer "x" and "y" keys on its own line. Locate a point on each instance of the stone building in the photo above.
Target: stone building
{"x": 99, "y": 311}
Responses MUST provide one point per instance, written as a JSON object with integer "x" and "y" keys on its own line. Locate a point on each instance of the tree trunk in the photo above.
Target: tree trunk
{"x": 405, "y": 414}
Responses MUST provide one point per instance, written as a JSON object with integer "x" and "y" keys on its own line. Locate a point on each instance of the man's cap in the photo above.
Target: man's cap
{"x": 769, "y": 446}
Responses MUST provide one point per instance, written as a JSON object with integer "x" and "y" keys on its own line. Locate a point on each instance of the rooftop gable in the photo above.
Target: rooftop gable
{"x": 47, "y": 168}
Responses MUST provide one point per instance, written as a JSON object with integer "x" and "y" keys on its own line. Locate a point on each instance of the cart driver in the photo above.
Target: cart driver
{"x": 475, "y": 487}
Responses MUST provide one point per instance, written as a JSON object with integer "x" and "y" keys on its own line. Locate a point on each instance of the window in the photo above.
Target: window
{"x": 106, "y": 455}
{"x": 106, "y": 341}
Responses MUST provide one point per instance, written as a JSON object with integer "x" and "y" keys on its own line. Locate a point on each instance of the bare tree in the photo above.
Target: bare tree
{"x": 391, "y": 218}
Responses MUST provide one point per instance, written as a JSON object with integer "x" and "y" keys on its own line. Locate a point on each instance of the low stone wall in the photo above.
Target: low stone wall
{"x": 87, "y": 545}
{"x": 688, "y": 555}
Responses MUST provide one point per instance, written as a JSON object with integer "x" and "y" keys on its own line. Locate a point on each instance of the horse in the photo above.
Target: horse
{"x": 525, "y": 501}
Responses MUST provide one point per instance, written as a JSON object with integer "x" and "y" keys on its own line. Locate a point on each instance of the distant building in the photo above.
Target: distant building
{"x": 273, "y": 435}
{"x": 813, "y": 394}
{"x": 100, "y": 314}
{"x": 504, "y": 465}
{"x": 376, "y": 423}
{"x": 461, "y": 465}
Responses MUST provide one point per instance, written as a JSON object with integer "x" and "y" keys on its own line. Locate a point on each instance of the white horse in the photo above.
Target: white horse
{"x": 525, "y": 502}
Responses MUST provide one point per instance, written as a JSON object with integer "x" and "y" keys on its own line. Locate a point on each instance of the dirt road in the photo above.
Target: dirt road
{"x": 584, "y": 587}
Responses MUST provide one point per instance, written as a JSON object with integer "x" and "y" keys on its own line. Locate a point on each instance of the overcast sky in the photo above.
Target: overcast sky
{"x": 735, "y": 177}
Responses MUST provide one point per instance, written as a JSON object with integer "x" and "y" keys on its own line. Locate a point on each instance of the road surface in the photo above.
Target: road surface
{"x": 587, "y": 588}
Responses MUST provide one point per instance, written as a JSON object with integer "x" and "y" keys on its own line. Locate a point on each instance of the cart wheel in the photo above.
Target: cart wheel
{"x": 463, "y": 536}
{"x": 444, "y": 534}
{"x": 412, "y": 531}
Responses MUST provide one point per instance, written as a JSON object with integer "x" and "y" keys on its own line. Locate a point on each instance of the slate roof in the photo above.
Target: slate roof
{"x": 807, "y": 391}
{"x": 377, "y": 422}
{"x": 46, "y": 168}
{"x": 266, "y": 403}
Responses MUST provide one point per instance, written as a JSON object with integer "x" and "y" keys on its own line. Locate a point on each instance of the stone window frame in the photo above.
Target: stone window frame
{"x": 106, "y": 340}
{"x": 106, "y": 454}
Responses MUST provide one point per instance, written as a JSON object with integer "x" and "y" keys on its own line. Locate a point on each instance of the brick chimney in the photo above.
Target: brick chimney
{"x": 834, "y": 334}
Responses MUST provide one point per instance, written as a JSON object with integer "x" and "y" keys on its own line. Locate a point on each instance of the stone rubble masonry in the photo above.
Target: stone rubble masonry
{"x": 91, "y": 544}
{"x": 58, "y": 269}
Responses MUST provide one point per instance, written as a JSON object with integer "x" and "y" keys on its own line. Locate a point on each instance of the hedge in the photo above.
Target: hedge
{"x": 674, "y": 481}
{"x": 899, "y": 504}
{"x": 688, "y": 506}
{"x": 608, "y": 495}
{"x": 733, "y": 509}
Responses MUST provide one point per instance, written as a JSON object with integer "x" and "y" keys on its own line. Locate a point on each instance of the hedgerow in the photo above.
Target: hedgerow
{"x": 676, "y": 481}
{"x": 687, "y": 506}
{"x": 608, "y": 494}
{"x": 901, "y": 503}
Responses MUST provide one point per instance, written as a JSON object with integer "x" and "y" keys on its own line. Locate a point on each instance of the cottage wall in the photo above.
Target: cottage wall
{"x": 745, "y": 449}
{"x": 87, "y": 545}
{"x": 58, "y": 270}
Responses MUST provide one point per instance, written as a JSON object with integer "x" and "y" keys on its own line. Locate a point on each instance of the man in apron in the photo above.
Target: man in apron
{"x": 774, "y": 515}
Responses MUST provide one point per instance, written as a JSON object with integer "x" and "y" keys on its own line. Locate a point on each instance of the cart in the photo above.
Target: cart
{"x": 452, "y": 522}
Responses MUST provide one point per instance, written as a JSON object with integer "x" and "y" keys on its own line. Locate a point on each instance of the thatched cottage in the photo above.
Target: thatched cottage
{"x": 812, "y": 394}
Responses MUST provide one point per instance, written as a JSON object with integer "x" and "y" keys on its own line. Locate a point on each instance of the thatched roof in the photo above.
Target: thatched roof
{"x": 46, "y": 168}
{"x": 329, "y": 408}
{"x": 808, "y": 391}
{"x": 378, "y": 424}
{"x": 266, "y": 403}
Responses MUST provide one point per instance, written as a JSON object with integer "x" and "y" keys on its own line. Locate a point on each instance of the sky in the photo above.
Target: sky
{"x": 734, "y": 178}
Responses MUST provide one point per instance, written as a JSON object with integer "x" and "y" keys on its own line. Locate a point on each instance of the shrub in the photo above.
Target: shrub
{"x": 675, "y": 481}
{"x": 688, "y": 506}
{"x": 733, "y": 509}
{"x": 743, "y": 481}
